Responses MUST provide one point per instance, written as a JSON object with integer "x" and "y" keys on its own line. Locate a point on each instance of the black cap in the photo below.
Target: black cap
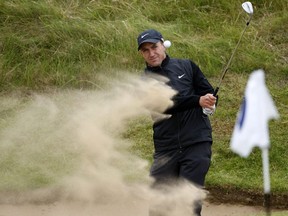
{"x": 150, "y": 36}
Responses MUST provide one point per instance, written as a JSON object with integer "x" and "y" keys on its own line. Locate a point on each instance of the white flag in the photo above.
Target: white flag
{"x": 251, "y": 128}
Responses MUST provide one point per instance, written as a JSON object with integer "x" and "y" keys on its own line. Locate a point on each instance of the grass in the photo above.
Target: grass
{"x": 273, "y": 214}
{"x": 70, "y": 44}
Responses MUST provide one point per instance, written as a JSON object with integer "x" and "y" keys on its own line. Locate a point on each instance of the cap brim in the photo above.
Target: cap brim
{"x": 148, "y": 41}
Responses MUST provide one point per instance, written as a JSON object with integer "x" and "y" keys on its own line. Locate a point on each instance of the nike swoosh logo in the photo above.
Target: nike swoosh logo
{"x": 180, "y": 76}
{"x": 144, "y": 35}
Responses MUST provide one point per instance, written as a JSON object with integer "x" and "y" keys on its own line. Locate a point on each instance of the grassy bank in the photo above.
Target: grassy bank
{"x": 72, "y": 44}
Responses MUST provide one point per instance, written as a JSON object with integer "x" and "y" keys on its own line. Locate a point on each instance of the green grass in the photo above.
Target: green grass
{"x": 273, "y": 214}
{"x": 71, "y": 44}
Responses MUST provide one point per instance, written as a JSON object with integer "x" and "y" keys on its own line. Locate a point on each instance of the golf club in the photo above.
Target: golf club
{"x": 248, "y": 8}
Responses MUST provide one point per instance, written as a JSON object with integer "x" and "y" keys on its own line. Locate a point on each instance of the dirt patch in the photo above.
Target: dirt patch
{"x": 229, "y": 210}
{"x": 245, "y": 197}
{"x": 127, "y": 209}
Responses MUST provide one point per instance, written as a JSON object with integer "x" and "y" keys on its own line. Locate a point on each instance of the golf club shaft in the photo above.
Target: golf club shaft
{"x": 231, "y": 57}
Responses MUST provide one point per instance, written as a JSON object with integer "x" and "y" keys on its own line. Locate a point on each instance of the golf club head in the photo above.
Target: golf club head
{"x": 247, "y": 6}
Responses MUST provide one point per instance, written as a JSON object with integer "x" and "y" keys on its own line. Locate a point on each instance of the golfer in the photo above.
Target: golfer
{"x": 182, "y": 142}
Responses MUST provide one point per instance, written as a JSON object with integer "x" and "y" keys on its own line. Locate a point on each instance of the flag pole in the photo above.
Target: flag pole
{"x": 266, "y": 176}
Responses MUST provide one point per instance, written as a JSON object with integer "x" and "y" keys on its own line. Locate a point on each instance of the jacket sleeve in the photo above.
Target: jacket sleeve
{"x": 182, "y": 103}
{"x": 200, "y": 82}
{"x": 201, "y": 86}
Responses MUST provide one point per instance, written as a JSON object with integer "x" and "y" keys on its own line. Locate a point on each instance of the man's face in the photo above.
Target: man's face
{"x": 153, "y": 53}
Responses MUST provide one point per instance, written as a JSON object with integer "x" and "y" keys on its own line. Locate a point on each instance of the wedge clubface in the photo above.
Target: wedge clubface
{"x": 248, "y": 8}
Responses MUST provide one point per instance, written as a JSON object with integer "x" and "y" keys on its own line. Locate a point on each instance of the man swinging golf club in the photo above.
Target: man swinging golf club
{"x": 183, "y": 141}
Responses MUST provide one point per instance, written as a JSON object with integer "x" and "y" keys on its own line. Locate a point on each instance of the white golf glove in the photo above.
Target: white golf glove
{"x": 208, "y": 111}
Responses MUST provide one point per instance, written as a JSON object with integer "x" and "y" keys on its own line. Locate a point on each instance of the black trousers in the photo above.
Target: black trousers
{"x": 191, "y": 163}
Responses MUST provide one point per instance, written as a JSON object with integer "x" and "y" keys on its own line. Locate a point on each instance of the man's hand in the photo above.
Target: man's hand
{"x": 208, "y": 101}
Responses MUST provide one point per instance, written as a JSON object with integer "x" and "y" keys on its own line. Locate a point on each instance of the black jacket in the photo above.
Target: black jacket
{"x": 187, "y": 124}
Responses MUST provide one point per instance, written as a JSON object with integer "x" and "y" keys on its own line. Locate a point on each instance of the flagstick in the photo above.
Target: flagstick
{"x": 266, "y": 176}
